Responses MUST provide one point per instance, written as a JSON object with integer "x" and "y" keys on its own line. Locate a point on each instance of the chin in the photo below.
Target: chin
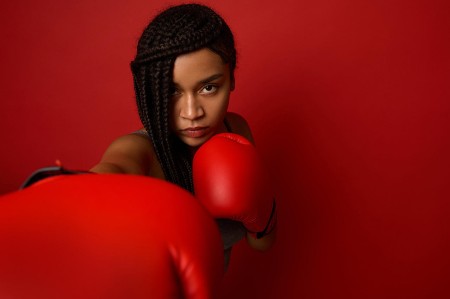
{"x": 195, "y": 142}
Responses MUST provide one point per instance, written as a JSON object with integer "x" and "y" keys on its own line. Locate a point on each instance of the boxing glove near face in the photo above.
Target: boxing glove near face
{"x": 231, "y": 182}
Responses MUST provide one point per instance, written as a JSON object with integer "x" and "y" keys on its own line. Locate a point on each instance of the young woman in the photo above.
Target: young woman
{"x": 183, "y": 76}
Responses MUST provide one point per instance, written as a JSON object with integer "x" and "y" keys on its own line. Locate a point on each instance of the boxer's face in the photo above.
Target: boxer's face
{"x": 201, "y": 90}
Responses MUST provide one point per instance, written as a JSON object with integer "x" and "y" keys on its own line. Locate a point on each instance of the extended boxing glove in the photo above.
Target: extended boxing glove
{"x": 231, "y": 182}
{"x": 107, "y": 237}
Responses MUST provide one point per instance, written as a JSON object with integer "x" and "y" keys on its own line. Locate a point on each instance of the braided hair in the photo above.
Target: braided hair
{"x": 178, "y": 30}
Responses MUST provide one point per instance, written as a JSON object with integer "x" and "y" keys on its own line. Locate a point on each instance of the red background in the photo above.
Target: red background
{"x": 348, "y": 101}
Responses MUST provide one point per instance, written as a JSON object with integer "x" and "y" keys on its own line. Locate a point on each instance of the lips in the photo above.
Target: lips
{"x": 195, "y": 132}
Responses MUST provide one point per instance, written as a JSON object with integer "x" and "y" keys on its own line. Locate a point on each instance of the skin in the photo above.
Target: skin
{"x": 201, "y": 95}
{"x": 201, "y": 89}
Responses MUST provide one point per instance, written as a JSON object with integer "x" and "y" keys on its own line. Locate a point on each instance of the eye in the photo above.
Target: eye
{"x": 209, "y": 89}
{"x": 174, "y": 92}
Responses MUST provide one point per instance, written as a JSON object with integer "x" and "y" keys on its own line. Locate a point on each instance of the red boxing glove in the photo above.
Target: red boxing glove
{"x": 231, "y": 182}
{"x": 107, "y": 237}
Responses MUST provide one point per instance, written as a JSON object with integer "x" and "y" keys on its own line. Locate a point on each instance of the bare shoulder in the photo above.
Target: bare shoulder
{"x": 131, "y": 144}
{"x": 132, "y": 154}
{"x": 239, "y": 125}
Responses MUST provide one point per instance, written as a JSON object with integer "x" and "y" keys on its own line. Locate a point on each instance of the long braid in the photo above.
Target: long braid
{"x": 177, "y": 30}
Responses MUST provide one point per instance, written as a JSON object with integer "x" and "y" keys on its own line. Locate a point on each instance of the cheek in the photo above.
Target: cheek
{"x": 223, "y": 105}
{"x": 219, "y": 109}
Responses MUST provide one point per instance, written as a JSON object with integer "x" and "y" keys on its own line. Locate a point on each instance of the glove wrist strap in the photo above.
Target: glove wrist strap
{"x": 271, "y": 223}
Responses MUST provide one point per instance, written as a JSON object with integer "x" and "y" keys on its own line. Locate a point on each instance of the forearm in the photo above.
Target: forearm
{"x": 264, "y": 243}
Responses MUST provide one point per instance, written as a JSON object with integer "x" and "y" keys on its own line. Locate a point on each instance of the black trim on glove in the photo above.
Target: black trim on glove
{"x": 270, "y": 226}
{"x": 46, "y": 172}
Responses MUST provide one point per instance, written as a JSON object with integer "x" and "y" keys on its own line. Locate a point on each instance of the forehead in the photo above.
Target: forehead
{"x": 198, "y": 65}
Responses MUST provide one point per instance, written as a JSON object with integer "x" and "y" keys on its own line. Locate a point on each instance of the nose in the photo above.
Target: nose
{"x": 191, "y": 107}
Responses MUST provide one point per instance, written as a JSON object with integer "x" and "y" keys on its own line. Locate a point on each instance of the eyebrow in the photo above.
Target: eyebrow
{"x": 211, "y": 78}
{"x": 206, "y": 80}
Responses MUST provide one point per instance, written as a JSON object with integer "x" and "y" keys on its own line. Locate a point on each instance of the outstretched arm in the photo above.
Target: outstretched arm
{"x": 129, "y": 154}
